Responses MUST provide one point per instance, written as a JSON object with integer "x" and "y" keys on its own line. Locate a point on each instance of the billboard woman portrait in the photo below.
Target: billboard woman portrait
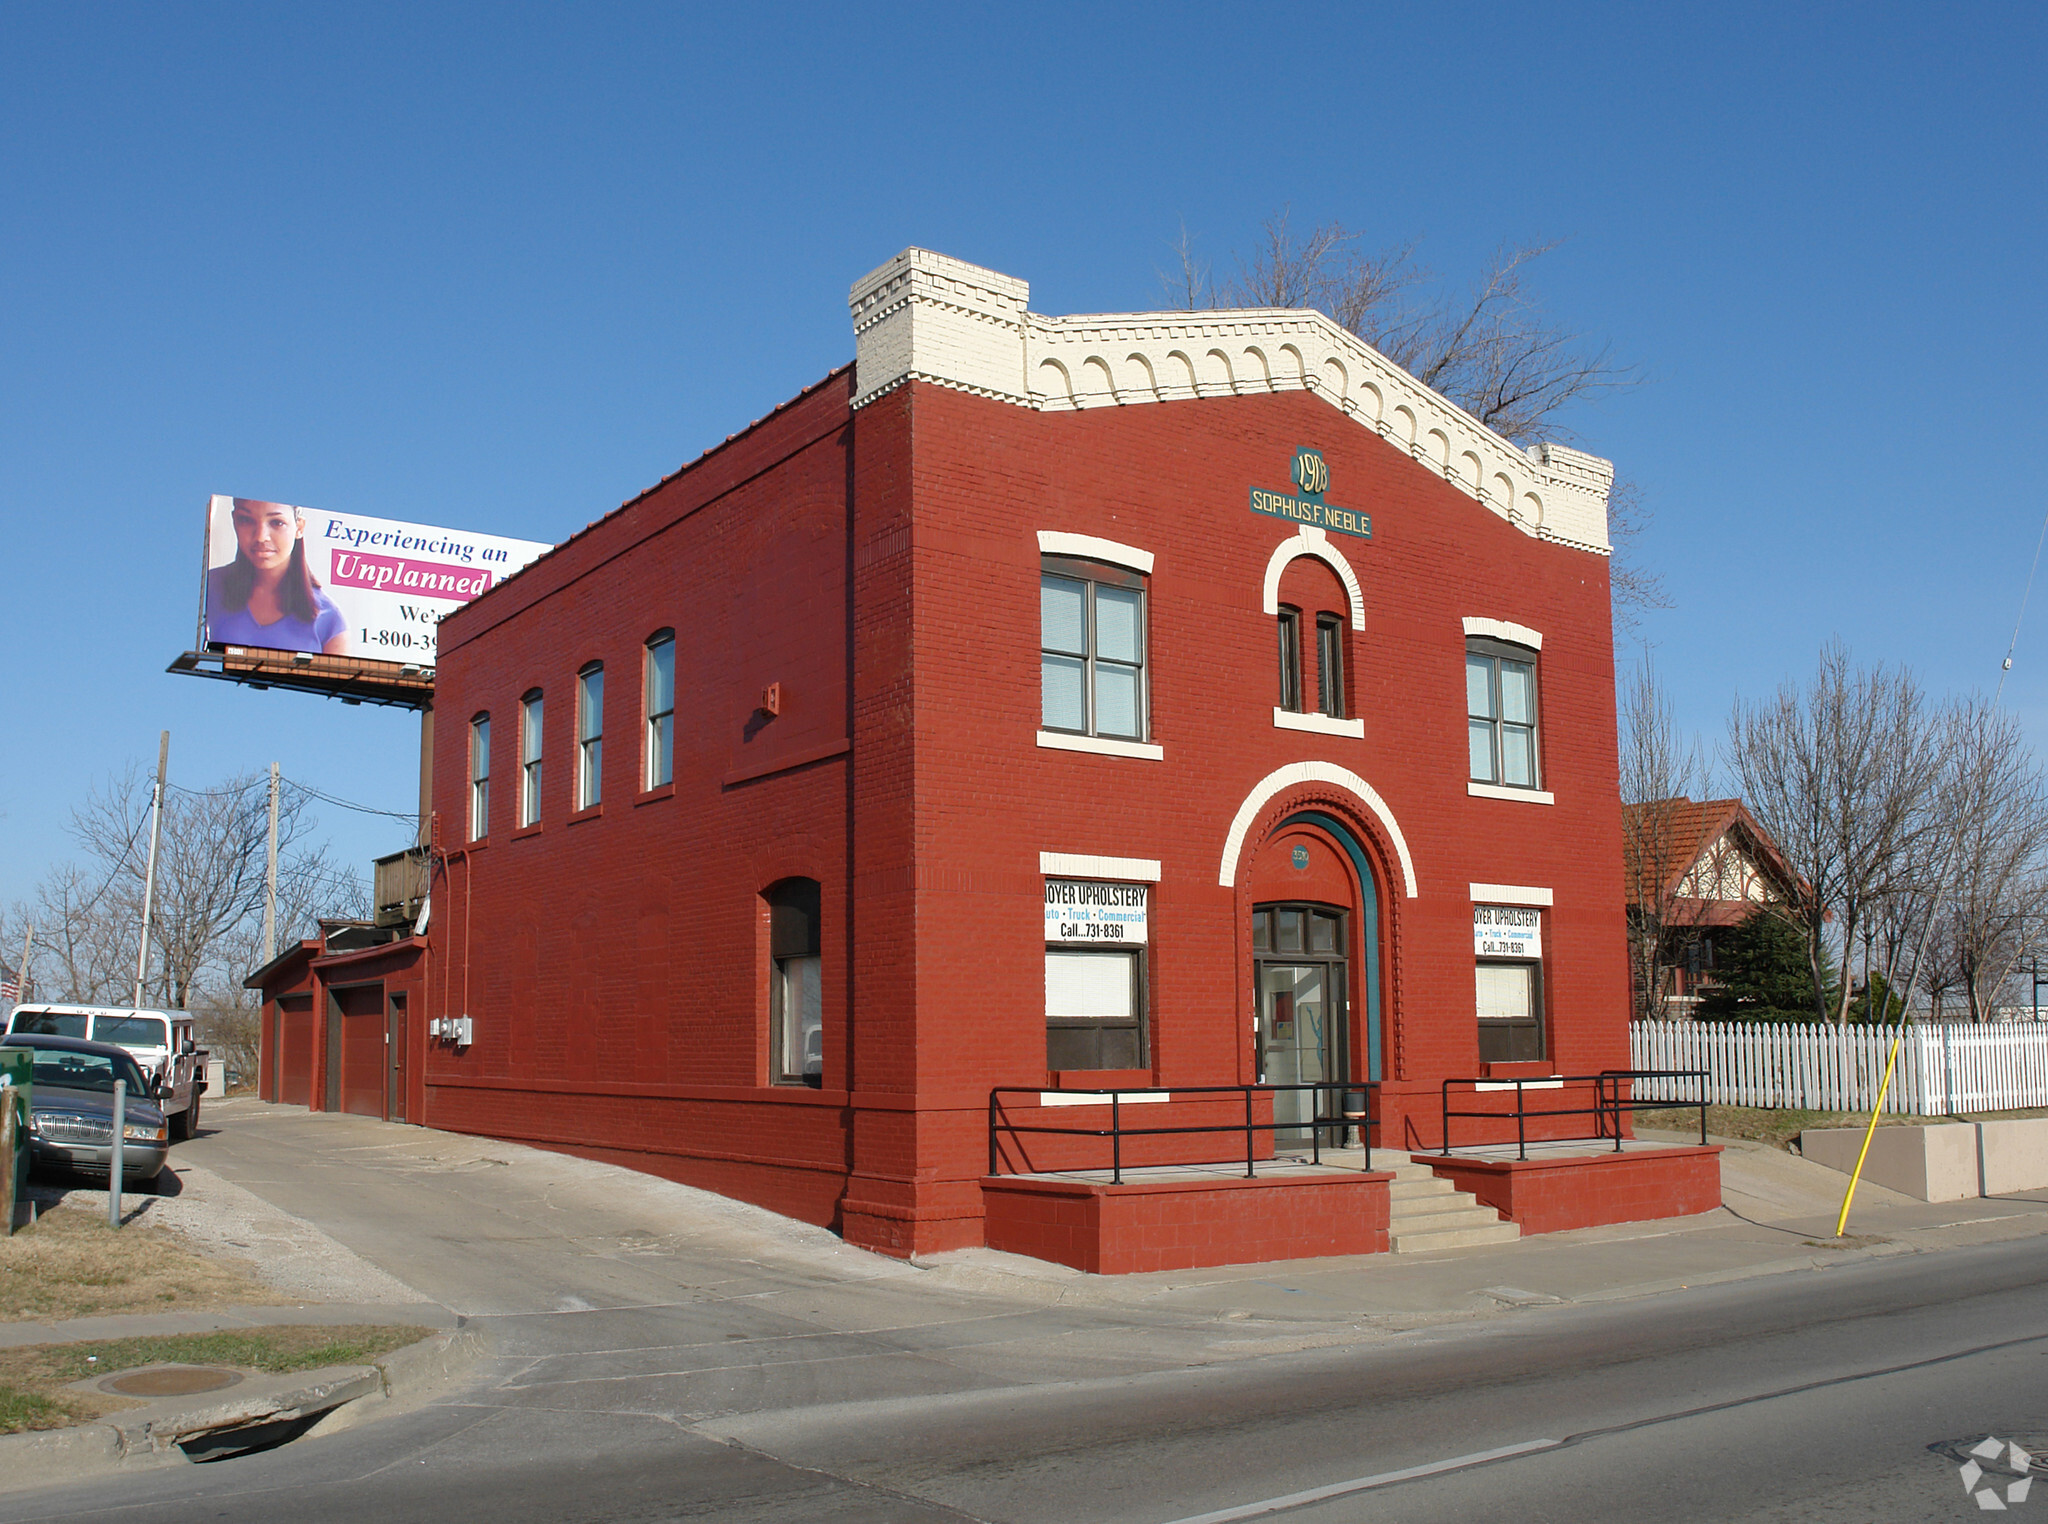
{"x": 268, "y": 596}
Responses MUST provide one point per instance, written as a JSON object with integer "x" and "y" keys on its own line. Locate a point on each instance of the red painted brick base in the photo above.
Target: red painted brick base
{"x": 1550, "y": 1195}
{"x": 1179, "y": 1224}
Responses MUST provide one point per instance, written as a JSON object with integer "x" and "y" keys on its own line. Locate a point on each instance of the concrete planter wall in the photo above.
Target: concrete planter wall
{"x": 1945, "y": 1161}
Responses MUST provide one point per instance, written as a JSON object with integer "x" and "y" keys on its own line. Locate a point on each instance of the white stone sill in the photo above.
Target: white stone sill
{"x": 1102, "y": 746}
{"x": 1319, "y": 724}
{"x": 1516, "y": 795}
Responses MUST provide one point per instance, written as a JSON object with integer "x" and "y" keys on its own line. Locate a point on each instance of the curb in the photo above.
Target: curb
{"x": 145, "y": 1441}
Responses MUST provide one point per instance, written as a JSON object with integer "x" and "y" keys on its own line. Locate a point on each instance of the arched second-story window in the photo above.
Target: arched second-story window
{"x": 479, "y": 777}
{"x": 590, "y": 736}
{"x": 1289, "y": 623}
{"x": 530, "y": 715}
{"x": 661, "y": 709}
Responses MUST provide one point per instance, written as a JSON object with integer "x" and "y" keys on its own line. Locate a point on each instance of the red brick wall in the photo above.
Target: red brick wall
{"x": 1551, "y": 1195}
{"x": 883, "y": 568}
{"x": 1174, "y": 480}
{"x": 1177, "y": 1225}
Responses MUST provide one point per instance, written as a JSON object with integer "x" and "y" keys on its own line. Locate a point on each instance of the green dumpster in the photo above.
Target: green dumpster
{"x": 17, "y": 1077}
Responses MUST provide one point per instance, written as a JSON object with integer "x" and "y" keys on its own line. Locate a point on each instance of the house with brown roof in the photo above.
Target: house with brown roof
{"x": 1695, "y": 868}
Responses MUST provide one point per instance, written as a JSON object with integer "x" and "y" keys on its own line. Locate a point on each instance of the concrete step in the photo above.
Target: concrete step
{"x": 1427, "y": 1212}
{"x": 1422, "y": 1241}
{"x": 1456, "y": 1209}
{"x": 1420, "y": 1187}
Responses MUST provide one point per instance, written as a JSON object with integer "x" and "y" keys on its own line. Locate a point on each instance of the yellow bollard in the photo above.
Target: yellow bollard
{"x": 1870, "y": 1132}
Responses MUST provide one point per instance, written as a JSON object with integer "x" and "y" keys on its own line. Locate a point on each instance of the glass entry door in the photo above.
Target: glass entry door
{"x": 1303, "y": 1011}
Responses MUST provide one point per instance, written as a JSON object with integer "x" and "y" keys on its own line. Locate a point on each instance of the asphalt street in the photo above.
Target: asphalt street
{"x": 650, "y": 1365}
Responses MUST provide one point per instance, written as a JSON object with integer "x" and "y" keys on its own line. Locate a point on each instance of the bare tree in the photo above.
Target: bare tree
{"x": 1993, "y": 808}
{"x": 209, "y": 892}
{"x": 1488, "y": 346}
{"x": 1843, "y": 773}
{"x": 1658, "y": 774}
{"x": 1631, "y": 585}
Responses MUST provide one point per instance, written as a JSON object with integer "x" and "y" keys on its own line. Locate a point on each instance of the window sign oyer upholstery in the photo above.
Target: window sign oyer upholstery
{"x": 1082, "y": 910}
{"x": 285, "y": 578}
{"x": 1507, "y": 931}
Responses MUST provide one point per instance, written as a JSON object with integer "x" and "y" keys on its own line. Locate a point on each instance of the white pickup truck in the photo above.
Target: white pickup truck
{"x": 160, "y": 1041}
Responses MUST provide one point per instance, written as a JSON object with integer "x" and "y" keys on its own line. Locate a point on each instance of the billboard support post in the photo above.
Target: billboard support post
{"x": 156, "y": 821}
{"x": 426, "y": 770}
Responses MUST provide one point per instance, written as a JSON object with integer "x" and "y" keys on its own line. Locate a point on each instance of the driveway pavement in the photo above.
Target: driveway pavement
{"x": 525, "y": 1240}
{"x": 657, "y": 1352}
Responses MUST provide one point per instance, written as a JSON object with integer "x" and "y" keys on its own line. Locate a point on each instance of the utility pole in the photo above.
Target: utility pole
{"x": 28, "y": 942}
{"x": 270, "y": 878}
{"x": 156, "y": 821}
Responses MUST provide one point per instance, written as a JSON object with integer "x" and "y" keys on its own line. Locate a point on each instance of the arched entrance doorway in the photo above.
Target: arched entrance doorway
{"x": 1315, "y": 966}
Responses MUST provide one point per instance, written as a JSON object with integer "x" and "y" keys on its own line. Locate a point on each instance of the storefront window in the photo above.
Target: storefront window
{"x": 1095, "y": 933}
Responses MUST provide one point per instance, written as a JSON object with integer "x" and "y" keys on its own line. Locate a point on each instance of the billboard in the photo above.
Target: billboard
{"x": 285, "y": 578}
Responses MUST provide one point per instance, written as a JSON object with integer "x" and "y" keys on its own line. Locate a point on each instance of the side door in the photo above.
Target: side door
{"x": 185, "y": 1072}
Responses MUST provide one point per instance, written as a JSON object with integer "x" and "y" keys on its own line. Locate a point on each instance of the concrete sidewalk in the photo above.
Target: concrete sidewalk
{"x": 1777, "y": 1216}
{"x": 572, "y": 1292}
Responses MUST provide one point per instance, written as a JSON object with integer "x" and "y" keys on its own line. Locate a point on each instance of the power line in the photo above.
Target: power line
{"x": 410, "y": 817}
{"x": 2014, "y": 643}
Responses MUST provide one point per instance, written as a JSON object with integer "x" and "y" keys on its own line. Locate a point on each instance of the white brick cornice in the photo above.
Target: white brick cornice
{"x": 924, "y": 317}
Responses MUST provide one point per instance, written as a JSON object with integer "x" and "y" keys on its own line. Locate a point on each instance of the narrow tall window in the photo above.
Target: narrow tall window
{"x": 1330, "y": 664}
{"x": 479, "y": 777}
{"x": 661, "y": 709}
{"x": 529, "y": 758}
{"x": 590, "y": 736}
{"x": 796, "y": 1007}
{"x": 1290, "y": 660}
{"x": 1500, "y": 709}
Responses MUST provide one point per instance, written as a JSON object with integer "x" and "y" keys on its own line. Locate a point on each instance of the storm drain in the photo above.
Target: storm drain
{"x": 169, "y": 1381}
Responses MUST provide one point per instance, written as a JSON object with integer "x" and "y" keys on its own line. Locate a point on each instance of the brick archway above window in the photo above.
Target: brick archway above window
{"x": 1264, "y": 791}
{"x": 1314, "y": 542}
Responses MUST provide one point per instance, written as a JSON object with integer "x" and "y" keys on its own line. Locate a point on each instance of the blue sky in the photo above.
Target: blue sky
{"x": 500, "y": 267}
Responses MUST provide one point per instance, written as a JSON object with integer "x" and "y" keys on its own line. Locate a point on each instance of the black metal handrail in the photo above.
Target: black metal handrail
{"x": 1359, "y": 1116}
{"x": 1609, "y": 1101}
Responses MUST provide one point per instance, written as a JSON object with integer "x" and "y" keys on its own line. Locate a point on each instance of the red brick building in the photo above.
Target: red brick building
{"x": 1140, "y": 700}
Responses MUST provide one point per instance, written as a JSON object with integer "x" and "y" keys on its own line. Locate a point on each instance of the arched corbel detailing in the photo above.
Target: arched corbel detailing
{"x": 1095, "y": 366}
{"x": 1296, "y": 773}
{"x": 1313, "y": 542}
{"x": 1053, "y": 380}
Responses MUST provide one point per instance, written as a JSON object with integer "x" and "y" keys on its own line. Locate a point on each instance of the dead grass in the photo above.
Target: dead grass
{"x": 1756, "y": 1124}
{"x": 33, "y": 1378}
{"x": 70, "y": 1264}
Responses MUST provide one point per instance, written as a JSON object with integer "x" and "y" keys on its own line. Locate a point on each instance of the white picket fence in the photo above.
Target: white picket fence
{"x": 1945, "y": 1067}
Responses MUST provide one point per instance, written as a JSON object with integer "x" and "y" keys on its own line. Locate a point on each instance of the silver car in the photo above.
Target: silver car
{"x": 71, "y": 1112}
